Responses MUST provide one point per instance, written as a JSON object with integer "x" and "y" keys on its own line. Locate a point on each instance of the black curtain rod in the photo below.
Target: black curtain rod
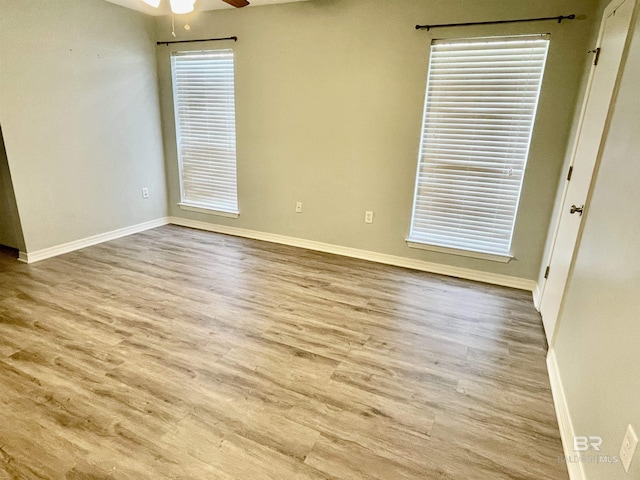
{"x": 497, "y": 22}
{"x": 235, "y": 39}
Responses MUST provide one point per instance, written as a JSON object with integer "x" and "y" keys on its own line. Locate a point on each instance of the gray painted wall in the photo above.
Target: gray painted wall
{"x": 598, "y": 331}
{"x": 10, "y": 229}
{"x": 329, "y": 108}
{"x": 80, "y": 116}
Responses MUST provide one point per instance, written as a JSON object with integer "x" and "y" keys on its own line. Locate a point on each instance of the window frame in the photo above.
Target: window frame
{"x": 185, "y": 203}
{"x": 418, "y": 243}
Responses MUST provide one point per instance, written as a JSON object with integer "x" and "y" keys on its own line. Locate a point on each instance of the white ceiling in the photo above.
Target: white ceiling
{"x": 201, "y": 5}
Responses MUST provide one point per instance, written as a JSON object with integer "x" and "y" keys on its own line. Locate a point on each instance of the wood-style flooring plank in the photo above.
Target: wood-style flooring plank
{"x": 176, "y": 353}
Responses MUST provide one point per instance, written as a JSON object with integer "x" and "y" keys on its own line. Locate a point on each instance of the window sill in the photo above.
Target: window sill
{"x": 208, "y": 211}
{"x": 460, "y": 252}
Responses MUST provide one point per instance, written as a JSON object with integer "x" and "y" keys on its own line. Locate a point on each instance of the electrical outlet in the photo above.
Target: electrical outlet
{"x": 368, "y": 217}
{"x": 145, "y": 192}
{"x": 298, "y": 207}
{"x": 628, "y": 448}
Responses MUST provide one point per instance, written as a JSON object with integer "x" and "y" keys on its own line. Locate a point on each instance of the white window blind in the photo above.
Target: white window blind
{"x": 203, "y": 89}
{"x": 480, "y": 107}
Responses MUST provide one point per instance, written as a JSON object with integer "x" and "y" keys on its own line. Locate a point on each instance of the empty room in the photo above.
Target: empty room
{"x": 319, "y": 239}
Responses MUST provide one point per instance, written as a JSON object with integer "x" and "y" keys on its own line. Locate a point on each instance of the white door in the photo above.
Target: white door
{"x": 591, "y": 130}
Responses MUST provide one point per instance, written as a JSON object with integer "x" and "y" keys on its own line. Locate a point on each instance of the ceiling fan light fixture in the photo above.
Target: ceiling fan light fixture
{"x": 181, "y": 6}
{"x": 153, "y": 3}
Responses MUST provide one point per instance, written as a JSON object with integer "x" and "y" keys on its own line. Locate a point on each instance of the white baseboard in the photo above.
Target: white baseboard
{"x": 441, "y": 269}
{"x": 38, "y": 255}
{"x": 536, "y": 296}
{"x": 468, "y": 274}
{"x": 567, "y": 433}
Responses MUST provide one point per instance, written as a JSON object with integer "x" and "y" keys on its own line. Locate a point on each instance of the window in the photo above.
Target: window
{"x": 203, "y": 91}
{"x": 480, "y": 107}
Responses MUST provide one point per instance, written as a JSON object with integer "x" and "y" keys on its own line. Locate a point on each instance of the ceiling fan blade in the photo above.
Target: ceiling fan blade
{"x": 237, "y": 3}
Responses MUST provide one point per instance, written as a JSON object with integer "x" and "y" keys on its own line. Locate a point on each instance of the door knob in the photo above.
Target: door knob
{"x": 575, "y": 209}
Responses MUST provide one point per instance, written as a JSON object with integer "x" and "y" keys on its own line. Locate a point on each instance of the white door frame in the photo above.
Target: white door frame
{"x": 550, "y": 321}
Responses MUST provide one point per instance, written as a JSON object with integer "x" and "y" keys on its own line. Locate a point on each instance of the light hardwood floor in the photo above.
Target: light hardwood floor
{"x": 176, "y": 353}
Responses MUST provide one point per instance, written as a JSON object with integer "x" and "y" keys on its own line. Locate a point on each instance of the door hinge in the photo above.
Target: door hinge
{"x": 570, "y": 173}
{"x": 596, "y": 58}
{"x": 546, "y": 272}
